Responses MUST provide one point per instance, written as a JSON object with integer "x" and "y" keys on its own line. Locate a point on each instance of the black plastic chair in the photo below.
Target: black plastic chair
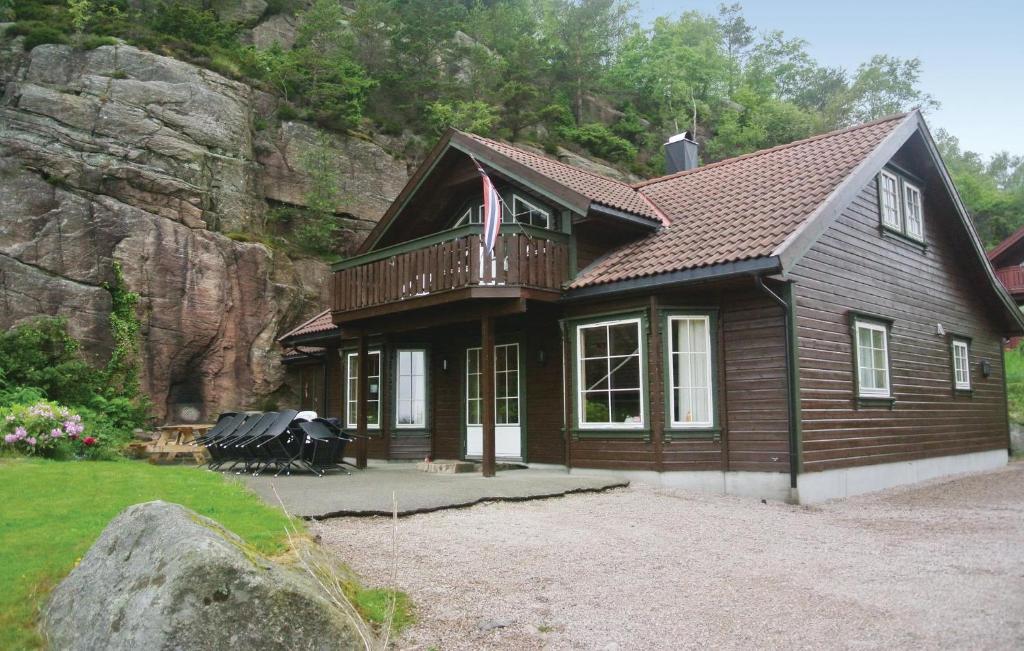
{"x": 270, "y": 448}
{"x": 221, "y": 451}
{"x": 324, "y": 448}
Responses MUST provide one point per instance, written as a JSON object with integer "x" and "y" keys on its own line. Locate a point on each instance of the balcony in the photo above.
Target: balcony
{"x": 1013, "y": 279}
{"x": 445, "y": 267}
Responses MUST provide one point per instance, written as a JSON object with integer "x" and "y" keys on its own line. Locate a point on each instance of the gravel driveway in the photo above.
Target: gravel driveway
{"x": 937, "y": 565}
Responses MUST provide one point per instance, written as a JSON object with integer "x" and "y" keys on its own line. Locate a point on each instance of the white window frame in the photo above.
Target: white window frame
{"x": 351, "y": 395}
{"x": 498, "y": 372}
{"x": 911, "y": 190}
{"x": 875, "y": 327}
{"x": 709, "y": 379}
{"x": 961, "y": 345}
{"x": 466, "y": 219}
{"x": 580, "y": 365}
{"x": 398, "y": 388}
{"x": 895, "y": 210}
{"x": 530, "y": 207}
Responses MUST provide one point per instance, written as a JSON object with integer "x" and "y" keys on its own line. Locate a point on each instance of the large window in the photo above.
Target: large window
{"x": 610, "y": 371}
{"x": 506, "y": 385}
{"x": 901, "y": 205}
{"x": 373, "y": 393}
{"x": 872, "y": 351}
{"x": 691, "y": 398}
{"x": 961, "y": 365}
{"x": 410, "y": 399}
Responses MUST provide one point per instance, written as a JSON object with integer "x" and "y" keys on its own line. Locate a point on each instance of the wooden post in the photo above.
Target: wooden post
{"x": 362, "y": 401}
{"x": 487, "y": 391}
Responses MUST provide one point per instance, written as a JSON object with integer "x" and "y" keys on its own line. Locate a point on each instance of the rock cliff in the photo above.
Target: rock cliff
{"x": 121, "y": 154}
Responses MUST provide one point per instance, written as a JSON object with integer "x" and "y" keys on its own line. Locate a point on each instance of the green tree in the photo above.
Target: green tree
{"x": 886, "y": 85}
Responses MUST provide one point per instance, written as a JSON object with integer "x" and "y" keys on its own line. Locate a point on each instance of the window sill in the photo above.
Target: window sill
{"x": 890, "y": 232}
{"x": 872, "y": 401}
{"x": 687, "y": 434}
{"x": 967, "y": 393}
{"x": 410, "y": 431}
{"x": 626, "y": 434}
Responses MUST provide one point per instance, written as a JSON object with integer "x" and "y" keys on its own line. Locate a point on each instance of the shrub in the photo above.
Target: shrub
{"x": 93, "y": 42}
{"x": 41, "y": 36}
{"x": 600, "y": 141}
{"x": 43, "y": 355}
{"x": 47, "y": 429}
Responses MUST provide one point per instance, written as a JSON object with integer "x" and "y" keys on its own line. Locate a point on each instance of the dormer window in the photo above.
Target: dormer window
{"x": 471, "y": 215}
{"x": 901, "y": 206}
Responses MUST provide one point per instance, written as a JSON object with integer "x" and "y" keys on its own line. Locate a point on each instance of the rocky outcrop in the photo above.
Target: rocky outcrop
{"x": 117, "y": 154}
{"x": 163, "y": 577}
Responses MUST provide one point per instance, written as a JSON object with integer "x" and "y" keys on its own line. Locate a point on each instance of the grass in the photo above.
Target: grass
{"x": 53, "y": 511}
{"x": 1015, "y": 384}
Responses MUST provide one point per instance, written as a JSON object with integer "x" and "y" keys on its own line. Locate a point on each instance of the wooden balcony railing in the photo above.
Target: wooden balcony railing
{"x": 1012, "y": 278}
{"x": 525, "y": 258}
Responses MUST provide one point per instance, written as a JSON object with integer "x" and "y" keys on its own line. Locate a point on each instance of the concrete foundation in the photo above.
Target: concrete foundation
{"x": 815, "y": 487}
{"x": 811, "y": 487}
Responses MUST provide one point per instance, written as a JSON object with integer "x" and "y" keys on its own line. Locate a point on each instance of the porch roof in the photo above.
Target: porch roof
{"x": 321, "y": 324}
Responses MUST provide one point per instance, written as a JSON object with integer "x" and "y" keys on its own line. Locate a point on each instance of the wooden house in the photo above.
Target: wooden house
{"x": 804, "y": 322}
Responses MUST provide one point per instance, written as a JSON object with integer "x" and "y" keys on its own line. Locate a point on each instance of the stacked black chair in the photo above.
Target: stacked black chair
{"x": 324, "y": 447}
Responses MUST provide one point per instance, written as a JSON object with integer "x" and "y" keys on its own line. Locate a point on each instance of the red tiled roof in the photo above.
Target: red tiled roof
{"x": 741, "y": 208}
{"x": 320, "y": 323}
{"x": 597, "y": 188}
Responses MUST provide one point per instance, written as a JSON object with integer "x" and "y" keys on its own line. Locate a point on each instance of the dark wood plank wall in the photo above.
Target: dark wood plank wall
{"x": 543, "y": 383}
{"x": 335, "y": 377}
{"x": 751, "y": 390}
{"x": 854, "y": 267}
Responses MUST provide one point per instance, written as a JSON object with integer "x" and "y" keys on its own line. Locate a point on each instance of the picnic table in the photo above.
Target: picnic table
{"x": 175, "y": 441}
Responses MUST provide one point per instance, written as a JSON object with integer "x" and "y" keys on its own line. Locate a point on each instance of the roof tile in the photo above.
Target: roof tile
{"x": 320, "y": 323}
{"x": 740, "y": 208}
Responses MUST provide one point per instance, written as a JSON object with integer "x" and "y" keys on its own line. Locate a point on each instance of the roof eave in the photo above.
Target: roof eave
{"x": 721, "y": 271}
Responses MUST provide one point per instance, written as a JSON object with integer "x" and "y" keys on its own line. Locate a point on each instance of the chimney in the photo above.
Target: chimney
{"x": 680, "y": 153}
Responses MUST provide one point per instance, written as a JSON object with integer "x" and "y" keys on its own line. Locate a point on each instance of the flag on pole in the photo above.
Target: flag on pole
{"x": 492, "y": 211}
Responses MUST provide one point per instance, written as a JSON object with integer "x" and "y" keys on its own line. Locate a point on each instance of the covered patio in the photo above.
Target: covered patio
{"x": 369, "y": 492}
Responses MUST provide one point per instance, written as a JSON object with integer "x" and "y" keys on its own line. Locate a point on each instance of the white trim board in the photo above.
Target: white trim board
{"x": 816, "y": 487}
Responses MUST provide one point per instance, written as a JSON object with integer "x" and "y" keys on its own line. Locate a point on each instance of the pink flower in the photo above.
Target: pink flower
{"x": 56, "y": 433}
{"x": 89, "y": 440}
{"x": 10, "y": 439}
{"x": 31, "y": 440}
{"x": 20, "y": 433}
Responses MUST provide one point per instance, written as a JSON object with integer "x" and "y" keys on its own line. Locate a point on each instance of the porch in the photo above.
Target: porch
{"x": 370, "y": 491}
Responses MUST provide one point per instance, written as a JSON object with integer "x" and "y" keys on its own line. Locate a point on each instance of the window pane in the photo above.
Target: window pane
{"x": 625, "y": 373}
{"x": 595, "y": 341}
{"x": 625, "y": 406}
{"x": 404, "y": 412}
{"x": 473, "y": 360}
{"x": 418, "y": 412}
{"x": 595, "y": 407}
{"x": 473, "y": 412}
{"x": 513, "y": 411}
{"x": 501, "y": 412}
{"x": 404, "y": 362}
{"x": 595, "y": 374}
{"x": 624, "y": 338}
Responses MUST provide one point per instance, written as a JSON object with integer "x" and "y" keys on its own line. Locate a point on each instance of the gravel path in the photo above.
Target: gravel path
{"x": 937, "y": 565}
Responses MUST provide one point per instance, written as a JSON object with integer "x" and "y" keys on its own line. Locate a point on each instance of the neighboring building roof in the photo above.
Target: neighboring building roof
{"x": 740, "y": 208}
{"x": 597, "y": 188}
{"x": 319, "y": 324}
{"x": 1012, "y": 247}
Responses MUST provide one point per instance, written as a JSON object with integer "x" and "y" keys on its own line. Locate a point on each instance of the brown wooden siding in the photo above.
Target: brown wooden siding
{"x": 854, "y": 267}
{"x": 751, "y": 392}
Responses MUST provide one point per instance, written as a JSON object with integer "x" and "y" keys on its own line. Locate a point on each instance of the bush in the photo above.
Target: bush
{"x": 600, "y": 141}
{"x": 49, "y": 430}
{"x": 93, "y": 42}
{"x": 43, "y": 355}
{"x": 41, "y": 36}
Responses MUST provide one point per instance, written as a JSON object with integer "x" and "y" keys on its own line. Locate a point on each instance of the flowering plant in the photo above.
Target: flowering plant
{"x": 44, "y": 428}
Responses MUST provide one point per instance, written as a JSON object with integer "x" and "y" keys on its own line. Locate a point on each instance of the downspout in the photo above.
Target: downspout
{"x": 794, "y": 442}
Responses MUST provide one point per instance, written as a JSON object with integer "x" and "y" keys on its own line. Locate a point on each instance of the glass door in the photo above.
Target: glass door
{"x": 507, "y": 430}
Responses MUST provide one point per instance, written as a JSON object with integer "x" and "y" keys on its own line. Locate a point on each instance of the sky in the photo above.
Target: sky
{"x": 972, "y": 53}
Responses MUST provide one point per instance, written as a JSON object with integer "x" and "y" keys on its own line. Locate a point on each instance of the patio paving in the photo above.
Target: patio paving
{"x": 369, "y": 492}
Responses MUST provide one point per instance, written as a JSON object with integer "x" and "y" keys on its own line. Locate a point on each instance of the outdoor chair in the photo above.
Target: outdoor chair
{"x": 226, "y": 423}
{"x": 324, "y": 447}
{"x": 271, "y": 447}
{"x": 221, "y": 451}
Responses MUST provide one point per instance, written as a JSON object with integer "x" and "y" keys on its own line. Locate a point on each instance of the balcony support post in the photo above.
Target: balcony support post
{"x": 362, "y": 401}
{"x": 487, "y": 392}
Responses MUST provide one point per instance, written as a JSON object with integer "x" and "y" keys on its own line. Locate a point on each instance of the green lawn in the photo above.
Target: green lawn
{"x": 52, "y": 512}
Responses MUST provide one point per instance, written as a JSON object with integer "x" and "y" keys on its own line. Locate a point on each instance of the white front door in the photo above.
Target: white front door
{"x": 507, "y": 431}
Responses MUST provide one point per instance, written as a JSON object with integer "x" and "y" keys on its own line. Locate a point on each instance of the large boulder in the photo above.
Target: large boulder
{"x": 163, "y": 577}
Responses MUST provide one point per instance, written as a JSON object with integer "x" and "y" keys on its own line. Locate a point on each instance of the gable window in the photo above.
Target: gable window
{"x": 411, "y": 393}
{"x": 901, "y": 205}
{"x": 691, "y": 396}
{"x": 372, "y": 394}
{"x": 471, "y": 215}
{"x": 889, "y": 192}
{"x": 961, "y": 365}
{"x": 912, "y": 211}
{"x": 871, "y": 345}
{"x": 610, "y": 369}
{"x": 526, "y": 212}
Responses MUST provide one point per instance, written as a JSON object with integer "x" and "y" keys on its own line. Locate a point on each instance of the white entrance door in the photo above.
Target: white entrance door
{"x": 507, "y": 431}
